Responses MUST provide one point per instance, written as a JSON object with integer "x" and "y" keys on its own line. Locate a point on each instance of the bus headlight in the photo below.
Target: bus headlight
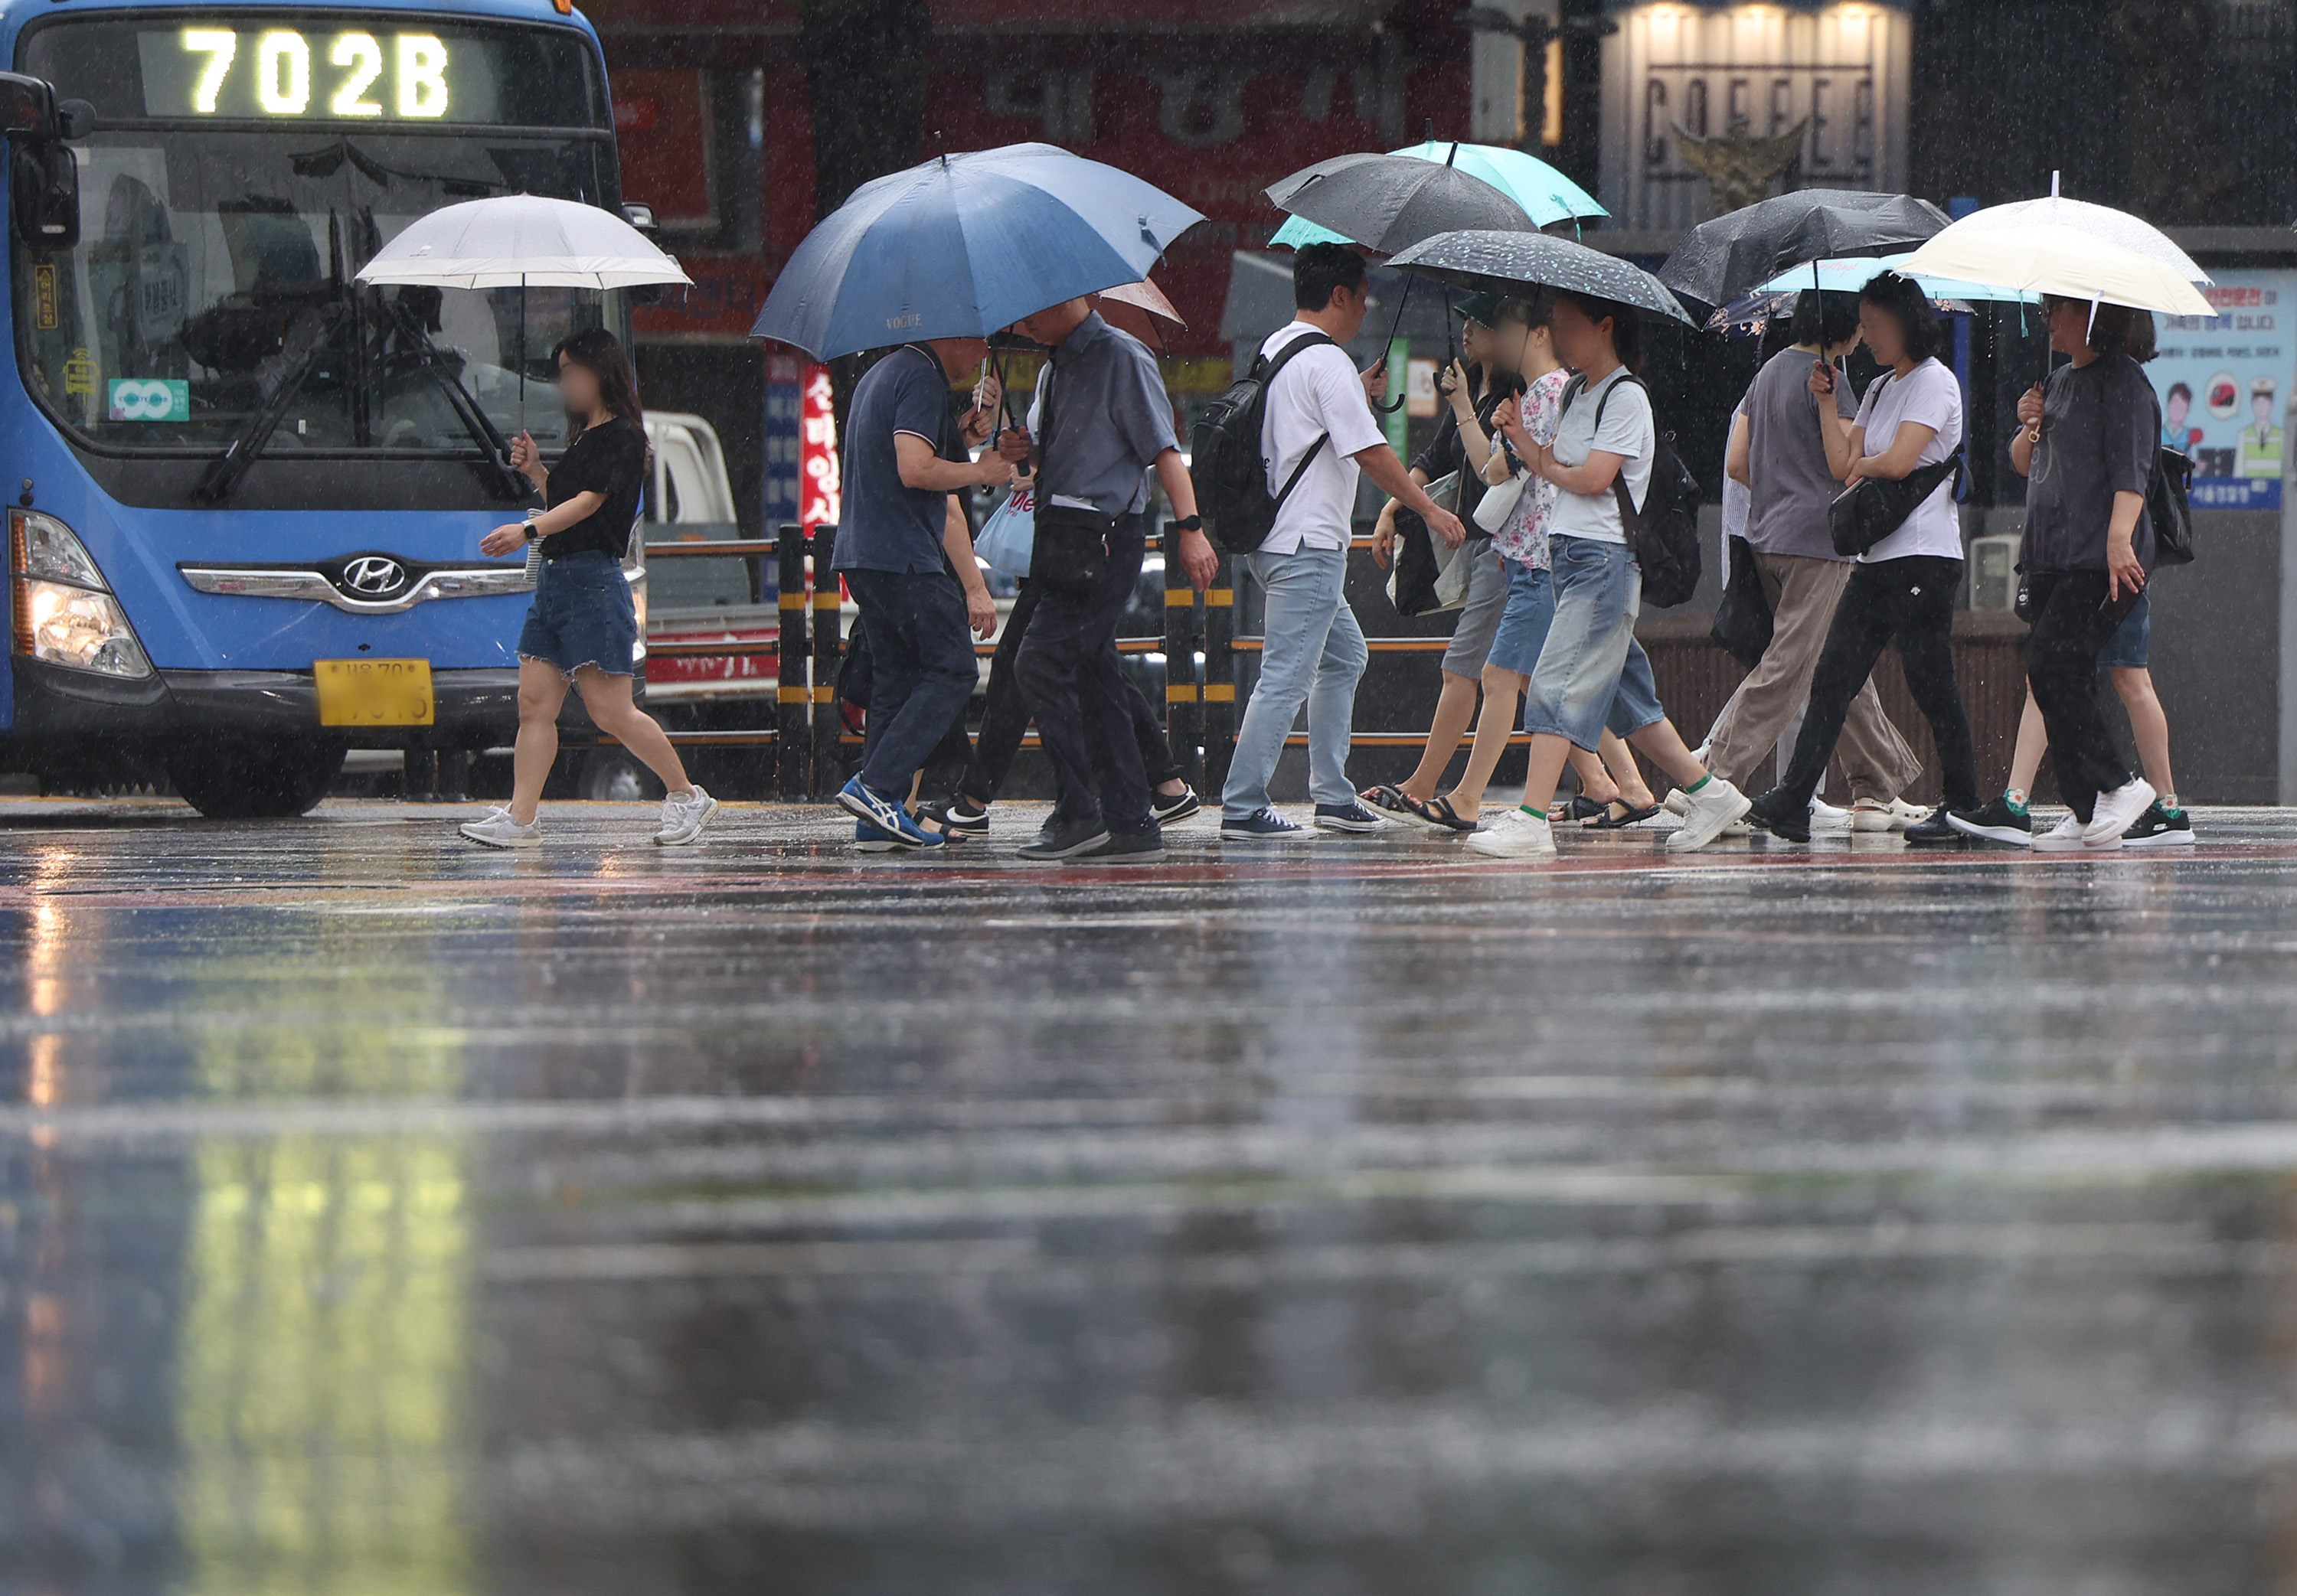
{"x": 64, "y": 612}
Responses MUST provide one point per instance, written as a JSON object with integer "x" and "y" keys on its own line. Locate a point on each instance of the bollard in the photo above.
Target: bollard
{"x": 1184, "y": 711}
{"x": 829, "y": 653}
{"x": 795, "y": 729}
{"x": 1220, "y": 679}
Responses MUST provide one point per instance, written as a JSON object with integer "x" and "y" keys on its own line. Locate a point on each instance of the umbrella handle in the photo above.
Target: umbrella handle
{"x": 1391, "y": 405}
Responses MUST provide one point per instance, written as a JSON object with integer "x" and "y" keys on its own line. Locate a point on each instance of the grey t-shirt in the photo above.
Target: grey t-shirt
{"x": 2101, "y": 427}
{"x": 1111, "y": 419}
{"x": 1786, "y": 456}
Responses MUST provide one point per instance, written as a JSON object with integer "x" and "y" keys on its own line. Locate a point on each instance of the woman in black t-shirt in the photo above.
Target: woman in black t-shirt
{"x": 582, "y": 626}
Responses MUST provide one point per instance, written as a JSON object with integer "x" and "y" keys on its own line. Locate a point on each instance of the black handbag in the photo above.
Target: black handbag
{"x": 1071, "y": 555}
{"x": 1742, "y": 619}
{"x": 2169, "y": 509}
{"x": 1875, "y": 506}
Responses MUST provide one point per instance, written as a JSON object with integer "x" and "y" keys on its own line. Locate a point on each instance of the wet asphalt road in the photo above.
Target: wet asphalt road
{"x": 380, "y": 1216}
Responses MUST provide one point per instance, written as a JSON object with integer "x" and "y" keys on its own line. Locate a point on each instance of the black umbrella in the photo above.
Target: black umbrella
{"x": 1386, "y": 203}
{"x": 1509, "y": 262}
{"x": 1721, "y": 261}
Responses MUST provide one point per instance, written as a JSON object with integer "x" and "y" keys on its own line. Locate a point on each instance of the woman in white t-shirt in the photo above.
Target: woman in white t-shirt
{"x": 1904, "y": 587}
{"x": 1591, "y": 672}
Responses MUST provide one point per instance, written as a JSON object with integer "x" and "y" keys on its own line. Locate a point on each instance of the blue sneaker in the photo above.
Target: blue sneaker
{"x": 869, "y": 839}
{"x": 1349, "y": 816}
{"x": 890, "y": 819}
{"x": 1266, "y": 826}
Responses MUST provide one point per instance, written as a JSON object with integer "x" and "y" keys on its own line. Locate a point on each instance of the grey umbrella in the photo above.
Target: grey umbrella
{"x": 1725, "y": 259}
{"x": 1386, "y": 203}
{"x": 1511, "y": 261}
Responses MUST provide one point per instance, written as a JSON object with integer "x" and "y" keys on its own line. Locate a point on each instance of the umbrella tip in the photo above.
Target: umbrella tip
{"x": 941, "y": 147}
{"x": 2054, "y": 183}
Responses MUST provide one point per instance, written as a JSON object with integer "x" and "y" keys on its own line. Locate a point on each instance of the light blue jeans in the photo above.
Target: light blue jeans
{"x": 1592, "y": 670}
{"x": 1315, "y": 655}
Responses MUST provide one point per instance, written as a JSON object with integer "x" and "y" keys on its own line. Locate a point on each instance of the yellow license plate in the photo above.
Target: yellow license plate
{"x": 373, "y": 692}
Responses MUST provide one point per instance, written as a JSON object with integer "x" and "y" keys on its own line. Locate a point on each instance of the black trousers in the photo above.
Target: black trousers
{"x": 2070, "y": 631}
{"x": 1005, "y": 717}
{"x": 1071, "y": 679}
{"x": 1909, "y": 602}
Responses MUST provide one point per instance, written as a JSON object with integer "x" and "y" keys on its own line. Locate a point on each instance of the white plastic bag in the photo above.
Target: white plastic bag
{"x": 1009, "y": 537}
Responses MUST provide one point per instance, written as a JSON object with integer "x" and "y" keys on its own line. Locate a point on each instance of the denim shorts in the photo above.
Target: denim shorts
{"x": 1524, "y": 624}
{"x": 582, "y": 615}
{"x": 1591, "y": 675}
{"x": 2126, "y": 651}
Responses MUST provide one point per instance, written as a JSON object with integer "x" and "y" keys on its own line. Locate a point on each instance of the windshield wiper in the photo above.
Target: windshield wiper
{"x": 505, "y": 483}
{"x": 308, "y": 342}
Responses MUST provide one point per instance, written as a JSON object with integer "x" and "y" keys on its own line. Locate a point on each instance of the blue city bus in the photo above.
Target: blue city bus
{"x": 244, "y": 492}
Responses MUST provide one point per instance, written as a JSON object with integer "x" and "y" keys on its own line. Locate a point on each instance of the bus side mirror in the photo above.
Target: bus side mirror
{"x": 44, "y": 195}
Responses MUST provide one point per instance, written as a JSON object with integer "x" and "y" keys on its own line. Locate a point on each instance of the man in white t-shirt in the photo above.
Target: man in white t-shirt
{"x": 1318, "y": 411}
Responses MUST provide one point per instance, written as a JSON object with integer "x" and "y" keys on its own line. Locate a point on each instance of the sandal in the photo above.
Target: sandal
{"x": 1438, "y": 813}
{"x": 1620, "y": 822}
{"x": 1390, "y": 798}
{"x": 1577, "y": 806}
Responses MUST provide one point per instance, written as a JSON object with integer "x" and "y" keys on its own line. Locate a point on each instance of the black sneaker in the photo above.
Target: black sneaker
{"x": 2157, "y": 828}
{"x": 1780, "y": 815}
{"x": 1064, "y": 839}
{"x": 1934, "y": 830}
{"x": 1128, "y": 848}
{"x": 960, "y": 815}
{"x": 1998, "y": 822}
{"x": 1166, "y": 810}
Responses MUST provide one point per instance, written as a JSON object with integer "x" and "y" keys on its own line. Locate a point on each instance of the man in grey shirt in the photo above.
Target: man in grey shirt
{"x": 1103, "y": 422}
{"x": 1778, "y": 452}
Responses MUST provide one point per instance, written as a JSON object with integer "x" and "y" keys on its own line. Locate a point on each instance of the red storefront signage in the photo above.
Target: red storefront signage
{"x": 820, "y": 502}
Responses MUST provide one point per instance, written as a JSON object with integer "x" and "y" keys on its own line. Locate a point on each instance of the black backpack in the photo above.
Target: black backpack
{"x": 1226, "y": 466}
{"x": 1664, "y": 534}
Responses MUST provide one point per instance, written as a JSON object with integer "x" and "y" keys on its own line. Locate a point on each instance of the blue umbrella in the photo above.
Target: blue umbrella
{"x": 964, "y": 245}
{"x": 1546, "y": 195}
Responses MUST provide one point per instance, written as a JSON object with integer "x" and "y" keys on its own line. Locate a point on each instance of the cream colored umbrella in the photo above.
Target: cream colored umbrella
{"x": 2057, "y": 258}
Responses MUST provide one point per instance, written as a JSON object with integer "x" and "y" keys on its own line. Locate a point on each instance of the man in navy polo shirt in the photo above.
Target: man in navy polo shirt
{"x": 906, "y": 553}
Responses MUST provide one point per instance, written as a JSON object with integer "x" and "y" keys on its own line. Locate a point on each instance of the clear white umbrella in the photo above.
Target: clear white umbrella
{"x": 2101, "y": 222}
{"x": 2054, "y": 258}
{"x": 521, "y": 240}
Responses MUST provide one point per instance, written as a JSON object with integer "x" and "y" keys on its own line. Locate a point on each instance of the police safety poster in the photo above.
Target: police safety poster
{"x": 2224, "y": 383}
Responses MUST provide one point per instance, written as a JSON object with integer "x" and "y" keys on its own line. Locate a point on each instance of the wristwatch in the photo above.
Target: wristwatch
{"x": 531, "y": 533}
{"x": 1194, "y": 523}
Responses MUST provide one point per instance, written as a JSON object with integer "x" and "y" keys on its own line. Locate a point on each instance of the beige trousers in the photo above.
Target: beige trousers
{"x": 1871, "y": 754}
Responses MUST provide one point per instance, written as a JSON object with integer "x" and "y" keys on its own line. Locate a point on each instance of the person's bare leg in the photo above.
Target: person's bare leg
{"x": 1455, "y": 708}
{"x": 1544, "y": 769}
{"x": 1628, "y": 783}
{"x": 1502, "y": 691}
{"x": 2149, "y": 723}
{"x": 608, "y": 700}
{"x": 2033, "y": 743}
{"x": 542, "y": 689}
{"x": 1594, "y": 781}
{"x": 1670, "y": 753}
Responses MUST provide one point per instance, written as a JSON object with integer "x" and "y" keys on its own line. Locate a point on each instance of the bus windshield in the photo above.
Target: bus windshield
{"x": 213, "y": 292}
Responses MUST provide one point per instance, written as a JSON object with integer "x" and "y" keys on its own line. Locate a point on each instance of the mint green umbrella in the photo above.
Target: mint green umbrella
{"x": 1546, "y": 195}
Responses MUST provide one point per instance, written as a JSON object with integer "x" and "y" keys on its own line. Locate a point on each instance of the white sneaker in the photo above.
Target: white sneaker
{"x": 1871, "y": 815}
{"x": 683, "y": 816}
{"x": 2117, "y": 810}
{"x": 499, "y": 830}
{"x": 1677, "y": 802}
{"x": 2065, "y": 837}
{"x": 1711, "y": 810}
{"x": 1515, "y": 833}
{"x": 1828, "y": 817}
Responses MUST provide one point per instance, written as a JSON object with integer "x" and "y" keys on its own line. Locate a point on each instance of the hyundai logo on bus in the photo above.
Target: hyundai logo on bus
{"x": 372, "y": 576}
{"x": 149, "y": 399}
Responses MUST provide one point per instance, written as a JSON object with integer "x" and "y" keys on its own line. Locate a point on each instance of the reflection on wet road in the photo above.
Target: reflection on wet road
{"x": 382, "y": 1216}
